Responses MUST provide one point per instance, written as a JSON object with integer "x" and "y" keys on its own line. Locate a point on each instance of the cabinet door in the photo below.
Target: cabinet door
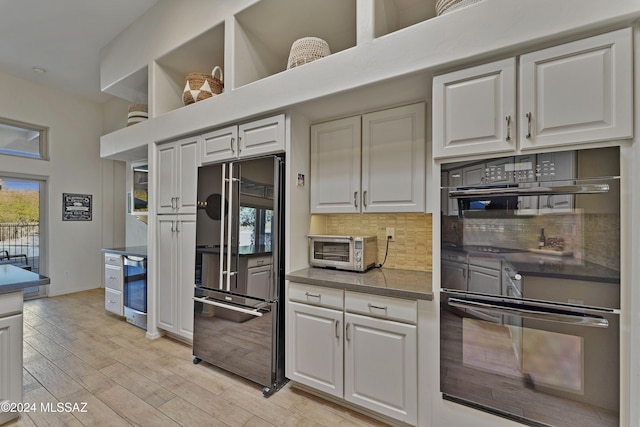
{"x": 219, "y": 145}
{"x": 393, "y": 160}
{"x": 261, "y": 137}
{"x": 259, "y": 282}
{"x": 455, "y": 180}
{"x": 380, "y": 370}
{"x": 187, "y": 176}
{"x": 316, "y": 338}
{"x": 474, "y": 175}
{"x": 454, "y": 275}
{"x": 11, "y": 366}
{"x": 167, "y": 154}
{"x": 167, "y": 265}
{"x": 577, "y": 92}
{"x": 474, "y": 110}
{"x": 185, "y": 283}
{"x": 335, "y": 166}
{"x": 557, "y": 167}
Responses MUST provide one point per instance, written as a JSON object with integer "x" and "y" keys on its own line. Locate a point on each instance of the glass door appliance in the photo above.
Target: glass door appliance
{"x": 238, "y": 302}
{"x": 530, "y": 297}
{"x": 134, "y": 274}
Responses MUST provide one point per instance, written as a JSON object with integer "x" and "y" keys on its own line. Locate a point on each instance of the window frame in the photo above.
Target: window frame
{"x": 44, "y": 138}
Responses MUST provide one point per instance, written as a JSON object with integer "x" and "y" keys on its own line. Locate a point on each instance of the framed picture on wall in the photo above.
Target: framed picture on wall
{"x": 76, "y": 207}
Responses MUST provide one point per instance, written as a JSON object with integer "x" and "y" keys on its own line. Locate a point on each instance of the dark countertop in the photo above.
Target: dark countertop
{"x": 542, "y": 265}
{"x": 128, "y": 250}
{"x": 248, "y": 250}
{"x": 14, "y": 278}
{"x": 378, "y": 281}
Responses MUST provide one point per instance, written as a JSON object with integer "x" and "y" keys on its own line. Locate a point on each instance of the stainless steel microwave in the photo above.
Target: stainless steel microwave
{"x": 351, "y": 253}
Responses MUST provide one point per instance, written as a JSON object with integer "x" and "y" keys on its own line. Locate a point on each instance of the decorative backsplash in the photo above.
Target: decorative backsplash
{"x": 411, "y": 249}
{"x": 590, "y": 237}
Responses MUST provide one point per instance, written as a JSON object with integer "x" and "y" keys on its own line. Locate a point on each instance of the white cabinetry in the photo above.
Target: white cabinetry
{"x": 370, "y": 163}
{"x": 474, "y": 110}
{"x": 177, "y": 176}
{"x": 258, "y": 277}
{"x": 369, "y": 359}
{"x": 260, "y": 137}
{"x": 113, "y": 282}
{"x": 10, "y": 351}
{"x": 577, "y": 92}
{"x": 571, "y": 93}
{"x": 176, "y": 242}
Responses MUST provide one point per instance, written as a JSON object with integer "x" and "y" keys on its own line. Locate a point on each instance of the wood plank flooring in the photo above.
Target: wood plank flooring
{"x": 75, "y": 352}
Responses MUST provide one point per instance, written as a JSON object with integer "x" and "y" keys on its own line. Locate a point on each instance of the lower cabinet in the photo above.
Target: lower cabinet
{"x": 176, "y": 260}
{"x": 113, "y": 298}
{"x": 10, "y": 352}
{"x": 359, "y": 347}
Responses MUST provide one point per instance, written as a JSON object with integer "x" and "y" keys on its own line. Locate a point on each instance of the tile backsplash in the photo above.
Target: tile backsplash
{"x": 411, "y": 249}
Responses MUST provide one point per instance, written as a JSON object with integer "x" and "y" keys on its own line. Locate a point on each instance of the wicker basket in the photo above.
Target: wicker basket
{"x": 307, "y": 49}
{"x": 137, "y": 114}
{"x": 201, "y": 86}
{"x": 444, "y": 6}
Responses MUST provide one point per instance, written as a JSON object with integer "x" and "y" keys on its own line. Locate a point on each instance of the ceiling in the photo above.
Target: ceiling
{"x": 63, "y": 37}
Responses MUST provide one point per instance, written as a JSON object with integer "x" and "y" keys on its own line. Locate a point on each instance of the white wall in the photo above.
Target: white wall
{"x": 74, "y": 258}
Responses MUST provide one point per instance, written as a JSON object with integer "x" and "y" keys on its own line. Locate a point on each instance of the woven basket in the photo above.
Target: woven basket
{"x": 201, "y": 86}
{"x": 137, "y": 114}
{"x": 307, "y": 49}
{"x": 444, "y": 6}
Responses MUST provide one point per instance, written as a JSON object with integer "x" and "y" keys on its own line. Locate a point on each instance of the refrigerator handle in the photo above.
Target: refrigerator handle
{"x": 229, "y": 226}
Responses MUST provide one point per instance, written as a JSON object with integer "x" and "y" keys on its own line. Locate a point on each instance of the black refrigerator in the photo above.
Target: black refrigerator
{"x": 239, "y": 270}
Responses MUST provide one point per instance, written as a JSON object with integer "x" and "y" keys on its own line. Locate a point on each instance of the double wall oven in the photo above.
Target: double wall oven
{"x": 530, "y": 288}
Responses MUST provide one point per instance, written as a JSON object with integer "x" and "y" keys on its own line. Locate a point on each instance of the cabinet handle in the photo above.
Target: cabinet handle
{"x": 337, "y": 329}
{"x": 239, "y": 144}
{"x": 508, "y": 118}
{"x": 355, "y": 199}
{"x": 377, "y": 307}
{"x": 231, "y": 145}
{"x": 177, "y": 198}
{"x": 347, "y": 333}
{"x": 177, "y": 226}
{"x": 308, "y": 295}
{"x": 529, "y": 117}
{"x": 364, "y": 198}
{"x": 111, "y": 302}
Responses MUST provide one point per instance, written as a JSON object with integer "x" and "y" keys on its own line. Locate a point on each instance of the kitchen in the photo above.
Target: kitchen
{"x": 389, "y": 93}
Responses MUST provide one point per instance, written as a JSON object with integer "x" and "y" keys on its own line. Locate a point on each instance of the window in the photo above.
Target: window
{"x": 23, "y": 139}
{"x": 255, "y": 226}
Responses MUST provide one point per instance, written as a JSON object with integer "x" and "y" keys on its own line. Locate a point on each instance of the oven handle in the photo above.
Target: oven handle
{"x": 532, "y": 311}
{"x": 229, "y": 307}
{"x": 530, "y": 191}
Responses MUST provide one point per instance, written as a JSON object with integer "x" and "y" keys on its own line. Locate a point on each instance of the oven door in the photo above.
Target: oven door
{"x": 541, "y": 365}
{"x": 331, "y": 251}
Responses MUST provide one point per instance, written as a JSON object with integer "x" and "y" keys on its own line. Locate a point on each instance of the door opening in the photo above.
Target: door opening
{"x": 21, "y": 233}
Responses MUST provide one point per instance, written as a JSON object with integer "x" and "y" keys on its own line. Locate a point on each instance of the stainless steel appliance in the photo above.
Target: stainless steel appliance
{"x": 351, "y": 253}
{"x": 134, "y": 273}
{"x": 239, "y": 271}
{"x": 530, "y": 292}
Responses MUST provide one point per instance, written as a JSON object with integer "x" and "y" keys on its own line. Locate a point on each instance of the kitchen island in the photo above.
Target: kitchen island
{"x": 12, "y": 282}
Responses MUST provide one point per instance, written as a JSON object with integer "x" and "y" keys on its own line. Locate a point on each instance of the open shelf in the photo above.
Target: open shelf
{"x": 394, "y": 15}
{"x": 264, "y": 33}
{"x": 200, "y": 55}
{"x": 133, "y": 88}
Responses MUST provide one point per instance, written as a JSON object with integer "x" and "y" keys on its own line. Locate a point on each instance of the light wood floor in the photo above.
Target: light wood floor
{"x": 75, "y": 352}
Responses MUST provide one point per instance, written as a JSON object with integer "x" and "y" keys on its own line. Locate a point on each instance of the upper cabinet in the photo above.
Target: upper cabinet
{"x": 474, "y": 110}
{"x": 370, "y": 163}
{"x": 177, "y": 176}
{"x": 572, "y": 93}
{"x": 577, "y": 92}
{"x": 259, "y": 137}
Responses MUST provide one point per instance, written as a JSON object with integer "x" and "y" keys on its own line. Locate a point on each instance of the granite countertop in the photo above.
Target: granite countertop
{"x": 542, "y": 265}
{"x": 247, "y": 250}
{"x": 14, "y": 278}
{"x": 379, "y": 281}
{"x": 128, "y": 250}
